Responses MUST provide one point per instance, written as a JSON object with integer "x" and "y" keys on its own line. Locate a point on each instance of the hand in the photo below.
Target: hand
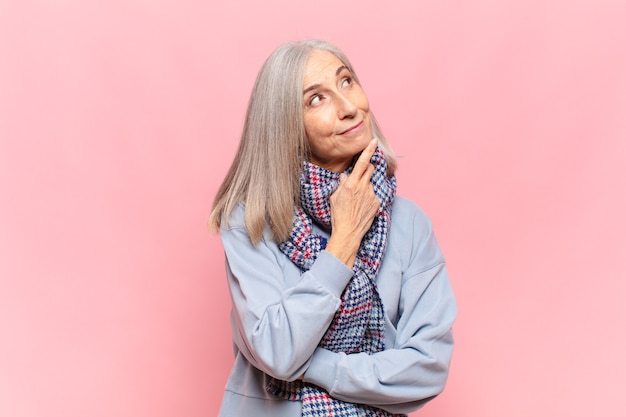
{"x": 353, "y": 207}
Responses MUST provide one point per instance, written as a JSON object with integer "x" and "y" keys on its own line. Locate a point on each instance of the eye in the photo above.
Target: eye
{"x": 346, "y": 82}
{"x": 316, "y": 99}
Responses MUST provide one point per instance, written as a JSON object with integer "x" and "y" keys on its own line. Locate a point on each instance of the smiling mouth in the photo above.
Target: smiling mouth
{"x": 350, "y": 129}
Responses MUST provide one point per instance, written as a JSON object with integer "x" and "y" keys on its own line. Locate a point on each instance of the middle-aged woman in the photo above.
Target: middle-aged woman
{"x": 341, "y": 304}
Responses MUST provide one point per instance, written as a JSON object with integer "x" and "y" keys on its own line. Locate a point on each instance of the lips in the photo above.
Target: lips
{"x": 352, "y": 129}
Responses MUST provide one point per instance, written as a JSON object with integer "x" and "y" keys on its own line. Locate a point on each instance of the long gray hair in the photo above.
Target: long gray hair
{"x": 265, "y": 174}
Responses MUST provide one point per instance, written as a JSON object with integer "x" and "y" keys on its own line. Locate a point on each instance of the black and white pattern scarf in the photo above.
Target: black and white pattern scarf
{"x": 358, "y": 325}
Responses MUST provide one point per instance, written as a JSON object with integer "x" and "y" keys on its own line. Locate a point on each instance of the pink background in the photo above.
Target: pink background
{"x": 118, "y": 120}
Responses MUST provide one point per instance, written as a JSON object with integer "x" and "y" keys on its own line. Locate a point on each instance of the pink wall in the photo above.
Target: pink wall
{"x": 117, "y": 123}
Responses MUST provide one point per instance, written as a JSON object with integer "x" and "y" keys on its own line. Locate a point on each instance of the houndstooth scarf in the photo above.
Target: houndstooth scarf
{"x": 358, "y": 325}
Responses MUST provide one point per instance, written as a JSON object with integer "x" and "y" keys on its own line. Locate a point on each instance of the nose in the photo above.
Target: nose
{"x": 345, "y": 107}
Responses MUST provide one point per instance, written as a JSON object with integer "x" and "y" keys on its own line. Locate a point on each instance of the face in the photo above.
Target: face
{"x": 336, "y": 112}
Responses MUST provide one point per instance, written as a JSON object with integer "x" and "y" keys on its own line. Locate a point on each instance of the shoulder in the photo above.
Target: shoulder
{"x": 405, "y": 210}
{"x": 412, "y": 236}
{"x": 236, "y": 219}
{"x": 236, "y": 223}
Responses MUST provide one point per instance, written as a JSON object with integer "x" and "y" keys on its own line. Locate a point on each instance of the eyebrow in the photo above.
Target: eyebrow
{"x": 314, "y": 86}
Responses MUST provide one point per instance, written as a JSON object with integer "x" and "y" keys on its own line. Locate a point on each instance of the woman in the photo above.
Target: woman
{"x": 341, "y": 300}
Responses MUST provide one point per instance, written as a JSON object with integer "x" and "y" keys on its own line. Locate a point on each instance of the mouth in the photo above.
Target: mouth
{"x": 352, "y": 129}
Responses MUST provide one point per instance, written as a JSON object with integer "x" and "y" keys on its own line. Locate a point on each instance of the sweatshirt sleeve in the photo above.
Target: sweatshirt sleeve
{"x": 277, "y": 324}
{"x": 414, "y": 367}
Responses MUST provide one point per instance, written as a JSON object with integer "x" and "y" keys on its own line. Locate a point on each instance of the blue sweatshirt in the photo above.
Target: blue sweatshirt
{"x": 280, "y": 314}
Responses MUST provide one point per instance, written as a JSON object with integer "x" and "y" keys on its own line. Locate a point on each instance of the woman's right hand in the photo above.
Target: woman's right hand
{"x": 353, "y": 207}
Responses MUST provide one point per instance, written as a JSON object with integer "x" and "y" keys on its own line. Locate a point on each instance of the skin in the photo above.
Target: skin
{"x": 337, "y": 124}
{"x": 336, "y": 112}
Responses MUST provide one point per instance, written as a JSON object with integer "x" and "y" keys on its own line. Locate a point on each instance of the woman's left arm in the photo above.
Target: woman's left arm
{"x": 414, "y": 370}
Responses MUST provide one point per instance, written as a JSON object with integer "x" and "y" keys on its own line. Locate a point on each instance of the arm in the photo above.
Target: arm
{"x": 414, "y": 367}
{"x": 278, "y": 323}
{"x": 279, "y": 317}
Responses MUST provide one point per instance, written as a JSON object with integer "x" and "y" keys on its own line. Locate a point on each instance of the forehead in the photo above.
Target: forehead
{"x": 320, "y": 65}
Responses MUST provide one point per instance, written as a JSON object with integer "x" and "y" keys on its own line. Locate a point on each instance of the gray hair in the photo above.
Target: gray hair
{"x": 265, "y": 174}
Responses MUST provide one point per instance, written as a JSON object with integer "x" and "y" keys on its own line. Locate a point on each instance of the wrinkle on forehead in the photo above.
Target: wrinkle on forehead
{"x": 319, "y": 64}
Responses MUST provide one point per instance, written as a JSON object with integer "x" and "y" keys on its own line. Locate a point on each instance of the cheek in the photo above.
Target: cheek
{"x": 359, "y": 98}
{"x": 309, "y": 124}
{"x": 318, "y": 124}
{"x": 364, "y": 103}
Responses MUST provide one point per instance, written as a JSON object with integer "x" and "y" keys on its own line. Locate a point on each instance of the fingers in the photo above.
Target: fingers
{"x": 362, "y": 164}
{"x": 355, "y": 181}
